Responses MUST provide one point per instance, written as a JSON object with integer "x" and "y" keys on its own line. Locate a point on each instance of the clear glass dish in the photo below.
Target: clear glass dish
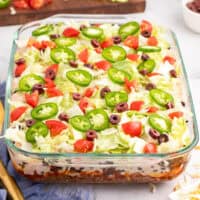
{"x": 96, "y": 167}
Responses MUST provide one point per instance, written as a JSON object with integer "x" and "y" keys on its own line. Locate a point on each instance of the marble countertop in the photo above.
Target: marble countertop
{"x": 167, "y": 13}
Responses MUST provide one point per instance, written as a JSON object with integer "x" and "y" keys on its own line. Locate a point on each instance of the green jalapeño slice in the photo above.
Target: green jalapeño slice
{"x": 44, "y": 111}
{"x": 118, "y": 76}
{"x": 99, "y": 119}
{"x": 79, "y": 77}
{"x": 129, "y": 28}
{"x": 38, "y": 129}
{"x": 43, "y": 30}
{"x": 65, "y": 42}
{"x": 80, "y": 123}
{"x": 28, "y": 81}
{"x": 149, "y": 49}
{"x": 161, "y": 97}
{"x": 159, "y": 123}
{"x": 114, "y": 54}
{"x": 62, "y": 55}
{"x": 92, "y": 32}
{"x": 114, "y": 98}
{"x": 148, "y": 65}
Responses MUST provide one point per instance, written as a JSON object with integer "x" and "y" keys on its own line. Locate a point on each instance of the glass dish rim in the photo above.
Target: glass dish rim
{"x": 127, "y": 155}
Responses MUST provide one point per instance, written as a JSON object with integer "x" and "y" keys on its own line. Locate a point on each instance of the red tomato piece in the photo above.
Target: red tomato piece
{"x": 54, "y": 92}
{"x": 130, "y": 84}
{"x": 83, "y": 146}
{"x": 32, "y": 99}
{"x": 19, "y": 69}
{"x": 146, "y": 26}
{"x": 49, "y": 83}
{"x": 49, "y": 44}
{"x": 22, "y": 4}
{"x": 132, "y": 42}
{"x": 136, "y": 105}
{"x": 71, "y": 32}
{"x": 152, "y": 109}
{"x": 104, "y": 65}
{"x": 177, "y": 114}
{"x": 37, "y": 45}
{"x": 53, "y": 67}
{"x": 150, "y": 148}
{"x": 89, "y": 92}
{"x": 133, "y": 57}
{"x": 169, "y": 59}
{"x": 152, "y": 41}
{"x": 107, "y": 43}
{"x": 84, "y": 55}
{"x": 17, "y": 112}
{"x": 98, "y": 50}
{"x": 36, "y": 4}
{"x": 154, "y": 74}
{"x": 132, "y": 128}
{"x": 83, "y": 104}
{"x": 55, "y": 127}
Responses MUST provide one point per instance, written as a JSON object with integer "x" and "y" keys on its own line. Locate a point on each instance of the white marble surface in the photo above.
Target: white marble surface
{"x": 165, "y": 12}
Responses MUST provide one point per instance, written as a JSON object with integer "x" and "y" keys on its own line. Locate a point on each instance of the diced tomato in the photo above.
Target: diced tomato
{"x": 136, "y": 105}
{"x": 83, "y": 104}
{"x": 37, "y": 45}
{"x": 31, "y": 41}
{"x": 17, "y": 112}
{"x": 49, "y": 44}
{"x": 83, "y": 146}
{"x": 49, "y": 83}
{"x": 146, "y": 26}
{"x": 152, "y": 41}
{"x": 150, "y": 148}
{"x": 98, "y": 50}
{"x": 154, "y": 74}
{"x": 55, "y": 127}
{"x": 53, "y": 67}
{"x": 107, "y": 43}
{"x": 71, "y": 32}
{"x": 103, "y": 64}
{"x": 132, "y": 42}
{"x": 19, "y": 69}
{"x": 32, "y": 99}
{"x": 152, "y": 109}
{"x": 129, "y": 85}
{"x": 36, "y": 4}
{"x": 132, "y": 128}
{"x": 133, "y": 57}
{"x": 169, "y": 59}
{"x": 22, "y": 4}
{"x": 89, "y": 92}
{"x": 84, "y": 55}
{"x": 177, "y": 114}
{"x": 54, "y": 92}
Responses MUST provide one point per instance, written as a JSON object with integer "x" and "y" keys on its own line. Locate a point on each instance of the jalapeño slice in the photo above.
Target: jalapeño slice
{"x": 129, "y": 28}
{"x": 43, "y": 30}
{"x": 62, "y": 55}
{"x": 79, "y": 77}
{"x": 114, "y": 98}
{"x": 28, "y": 81}
{"x": 92, "y": 32}
{"x": 159, "y": 123}
{"x": 38, "y": 129}
{"x": 118, "y": 76}
{"x": 80, "y": 123}
{"x": 114, "y": 53}
{"x": 65, "y": 42}
{"x": 148, "y": 65}
{"x": 161, "y": 97}
{"x": 44, "y": 111}
{"x": 99, "y": 119}
{"x": 149, "y": 49}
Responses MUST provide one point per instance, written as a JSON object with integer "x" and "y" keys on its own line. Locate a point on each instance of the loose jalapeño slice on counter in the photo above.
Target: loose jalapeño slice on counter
{"x": 4, "y": 3}
{"x": 44, "y": 111}
{"x": 99, "y": 119}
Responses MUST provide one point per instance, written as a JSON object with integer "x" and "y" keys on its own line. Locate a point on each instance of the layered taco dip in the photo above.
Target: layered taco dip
{"x": 98, "y": 88}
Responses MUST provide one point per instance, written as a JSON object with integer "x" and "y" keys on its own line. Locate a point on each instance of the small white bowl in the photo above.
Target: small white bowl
{"x": 192, "y": 19}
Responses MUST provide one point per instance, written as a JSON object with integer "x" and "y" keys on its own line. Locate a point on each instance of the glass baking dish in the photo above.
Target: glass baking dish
{"x": 97, "y": 167}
